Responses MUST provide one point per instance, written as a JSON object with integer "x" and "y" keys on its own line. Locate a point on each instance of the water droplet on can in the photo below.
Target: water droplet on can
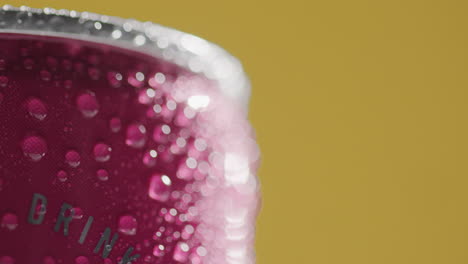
{"x": 161, "y": 133}
{"x": 9, "y": 221}
{"x": 102, "y": 152}
{"x": 102, "y": 175}
{"x": 94, "y": 73}
{"x": 67, "y": 84}
{"x": 88, "y": 104}
{"x": 136, "y": 135}
{"x": 150, "y": 157}
{"x": 7, "y": 260}
{"x": 115, "y": 124}
{"x": 77, "y": 213}
{"x": 36, "y": 108}
{"x": 181, "y": 252}
{"x": 45, "y": 75}
{"x": 81, "y": 260}
{"x": 136, "y": 79}
{"x": 128, "y": 225}
{"x": 160, "y": 187}
{"x": 114, "y": 79}
{"x": 48, "y": 260}
{"x": 3, "y": 81}
{"x": 158, "y": 250}
{"x": 62, "y": 176}
{"x": 52, "y": 63}
{"x": 34, "y": 147}
{"x": 2, "y": 64}
{"x": 72, "y": 158}
{"x": 28, "y": 64}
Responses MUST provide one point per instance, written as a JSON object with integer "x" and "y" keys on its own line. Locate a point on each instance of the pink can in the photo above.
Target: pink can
{"x": 121, "y": 142}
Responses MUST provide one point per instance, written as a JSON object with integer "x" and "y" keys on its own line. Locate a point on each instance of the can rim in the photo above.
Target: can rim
{"x": 183, "y": 49}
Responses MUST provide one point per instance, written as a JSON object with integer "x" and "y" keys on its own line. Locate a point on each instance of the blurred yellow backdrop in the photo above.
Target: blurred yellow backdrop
{"x": 361, "y": 113}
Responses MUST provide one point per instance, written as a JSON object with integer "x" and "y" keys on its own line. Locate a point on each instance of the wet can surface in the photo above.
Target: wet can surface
{"x": 111, "y": 154}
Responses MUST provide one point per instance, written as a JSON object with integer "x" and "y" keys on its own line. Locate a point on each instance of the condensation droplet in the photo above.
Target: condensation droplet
{"x": 73, "y": 158}
{"x": 3, "y": 81}
{"x": 181, "y": 252}
{"x": 191, "y": 163}
{"x": 102, "y": 152}
{"x": 36, "y": 108}
{"x": 115, "y": 124}
{"x": 158, "y": 250}
{"x": 116, "y": 34}
{"x": 2, "y": 65}
{"x": 48, "y": 260}
{"x": 34, "y": 147}
{"x": 94, "y": 73}
{"x": 138, "y": 247}
{"x": 146, "y": 96}
{"x": 201, "y": 251}
{"x": 136, "y": 135}
{"x": 67, "y": 65}
{"x": 160, "y": 133}
{"x": 81, "y": 260}
{"x": 28, "y": 64}
{"x": 150, "y": 157}
{"x": 67, "y": 84}
{"x": 160, "y": 187}
{"x": 45, "y": 75}
{"x": 88, "y": 104}
{"x": 139, "y": 40}
{"x": 102, "y": 175}
{"x": 148, "y": 259}
{"x": 157, "y": 108}
{"x": 114, "y": 79}
{"x": 128, "y": 225}
{"x": 52, "y": 63}
{"x": 188, "y": 231}
{"x": 136, "y": 79}
{"x": 160, "y": 78}
{"x": 62, "y": 176}
{"x": 7, "y": 260}
{"x": 189, "y": 113}
{"x": 171, "y": 105}
{"x": 9, "y": 221}
{"x": 200, "y": 144}
{"x": 77, "y": 213}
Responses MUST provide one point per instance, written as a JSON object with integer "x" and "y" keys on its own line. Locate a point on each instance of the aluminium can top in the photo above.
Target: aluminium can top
{"x": 186, "y": 50}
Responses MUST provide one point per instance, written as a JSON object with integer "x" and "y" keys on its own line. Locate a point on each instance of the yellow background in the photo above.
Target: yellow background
{"x": 361, "y": 113}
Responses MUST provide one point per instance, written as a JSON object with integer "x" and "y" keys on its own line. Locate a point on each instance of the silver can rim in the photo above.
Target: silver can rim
{"x": 183, "y": 49}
